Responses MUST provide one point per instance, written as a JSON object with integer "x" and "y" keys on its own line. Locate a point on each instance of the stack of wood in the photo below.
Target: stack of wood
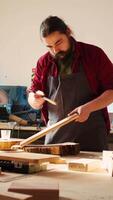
{"x": 62, "y": 149}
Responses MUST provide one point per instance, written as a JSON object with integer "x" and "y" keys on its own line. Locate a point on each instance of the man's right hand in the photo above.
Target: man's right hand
{"x": 36, "y": 99}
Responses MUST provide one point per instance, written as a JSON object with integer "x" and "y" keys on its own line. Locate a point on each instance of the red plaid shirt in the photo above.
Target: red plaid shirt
{"x": 97, "y": 66}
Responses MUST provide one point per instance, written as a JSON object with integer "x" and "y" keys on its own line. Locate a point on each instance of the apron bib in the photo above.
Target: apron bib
{"x": 70, "y": 92}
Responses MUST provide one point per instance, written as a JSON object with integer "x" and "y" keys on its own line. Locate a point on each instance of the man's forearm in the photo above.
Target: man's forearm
{"x": 102, "y": 101}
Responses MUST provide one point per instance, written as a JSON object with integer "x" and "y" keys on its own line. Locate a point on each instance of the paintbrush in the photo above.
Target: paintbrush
{"x": 41, "y": 94}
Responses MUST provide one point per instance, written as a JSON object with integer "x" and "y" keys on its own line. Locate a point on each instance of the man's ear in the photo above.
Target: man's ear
{"x": 68, "y": 31}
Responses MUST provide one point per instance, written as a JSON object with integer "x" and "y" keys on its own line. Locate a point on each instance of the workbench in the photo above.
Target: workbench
{"x": 4, "y": 125}
{"x": 73, "y": 185}
{"x": 19, "y": 131}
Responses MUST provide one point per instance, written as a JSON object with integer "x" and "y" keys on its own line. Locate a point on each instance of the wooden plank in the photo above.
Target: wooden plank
{"x": 8, "y": 197}
{"x": 62, "y": 149}
{"x": 6, "y": 144}
{"x": 42, "y": 190}
{"x": 108, "y": 162}
{"x": 47, "y": 130}
{"x": 84, "y": 165}
{"x": 27, "y": 157}
{"x": 17, "y": 119}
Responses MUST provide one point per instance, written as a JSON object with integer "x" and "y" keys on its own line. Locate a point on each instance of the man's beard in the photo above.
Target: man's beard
{"x": 60, "y": 55}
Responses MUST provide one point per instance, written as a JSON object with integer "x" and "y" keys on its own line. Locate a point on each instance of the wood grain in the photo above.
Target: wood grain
{"x": 48, "y": 129}
{"x": 27, "y": 157}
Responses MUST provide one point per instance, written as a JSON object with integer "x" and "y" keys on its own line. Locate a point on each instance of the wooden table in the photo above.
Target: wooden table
{"x": 18, "y": 131}
{"x": 72, "y": 185}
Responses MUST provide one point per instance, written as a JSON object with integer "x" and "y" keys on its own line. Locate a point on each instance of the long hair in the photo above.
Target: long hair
{"x": 52, "y": 24}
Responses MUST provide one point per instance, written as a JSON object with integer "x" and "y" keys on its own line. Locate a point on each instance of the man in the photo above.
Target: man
{"x": 79, "y": 77}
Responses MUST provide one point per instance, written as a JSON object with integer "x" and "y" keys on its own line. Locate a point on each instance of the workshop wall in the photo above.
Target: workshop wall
{"x": 20, "y": 45}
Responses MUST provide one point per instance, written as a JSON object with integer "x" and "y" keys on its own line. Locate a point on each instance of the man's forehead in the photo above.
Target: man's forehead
{"x": 53, "y": 38}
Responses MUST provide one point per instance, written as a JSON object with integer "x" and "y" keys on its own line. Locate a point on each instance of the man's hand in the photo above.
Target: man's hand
{"x": 36, "y": 99}
{"x": 98, "y": 103}
{"x": 83, "y": 113}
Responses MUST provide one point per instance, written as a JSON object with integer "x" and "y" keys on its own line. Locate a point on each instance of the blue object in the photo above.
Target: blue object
{"x": 18, "y": 103}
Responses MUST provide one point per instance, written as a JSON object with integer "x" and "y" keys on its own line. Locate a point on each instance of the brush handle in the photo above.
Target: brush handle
{"x": 41, "y": 94}
{"x": 50, "y": 101}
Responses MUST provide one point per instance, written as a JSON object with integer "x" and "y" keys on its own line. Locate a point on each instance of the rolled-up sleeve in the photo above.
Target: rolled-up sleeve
{"x": 36, "y": 83}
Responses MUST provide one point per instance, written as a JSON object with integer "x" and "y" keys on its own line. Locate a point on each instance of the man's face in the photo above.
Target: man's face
{"x": 58, "y": 44}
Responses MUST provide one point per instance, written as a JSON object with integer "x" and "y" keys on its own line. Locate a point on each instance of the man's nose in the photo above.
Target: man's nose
{"x": 55, "y": 50}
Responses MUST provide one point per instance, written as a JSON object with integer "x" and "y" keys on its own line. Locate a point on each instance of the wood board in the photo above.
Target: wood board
{"x": 42, "y": 190}
{"x": 22, "y": 156}
{"x": 62, "y": 149}
{"x": 47, "y": 130}
{"x": 84, "y": 165}
{"x": 6, "y": 144}
{"x": 42, "y": 133}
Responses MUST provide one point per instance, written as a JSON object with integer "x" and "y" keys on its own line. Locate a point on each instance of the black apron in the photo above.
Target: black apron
{"x": 70, "y": 92}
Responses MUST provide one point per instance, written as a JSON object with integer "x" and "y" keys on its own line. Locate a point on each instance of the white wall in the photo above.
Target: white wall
{"x": 20, "y": 45}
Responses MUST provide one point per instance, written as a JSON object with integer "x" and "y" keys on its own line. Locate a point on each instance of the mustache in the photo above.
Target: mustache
{"x": 60, "y": 54}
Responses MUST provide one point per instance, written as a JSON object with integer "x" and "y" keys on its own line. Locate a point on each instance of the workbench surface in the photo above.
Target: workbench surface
{"x": 73, "y": 185}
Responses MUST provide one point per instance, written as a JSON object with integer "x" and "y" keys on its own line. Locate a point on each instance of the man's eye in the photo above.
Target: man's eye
{"x": 59, "y": 43}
